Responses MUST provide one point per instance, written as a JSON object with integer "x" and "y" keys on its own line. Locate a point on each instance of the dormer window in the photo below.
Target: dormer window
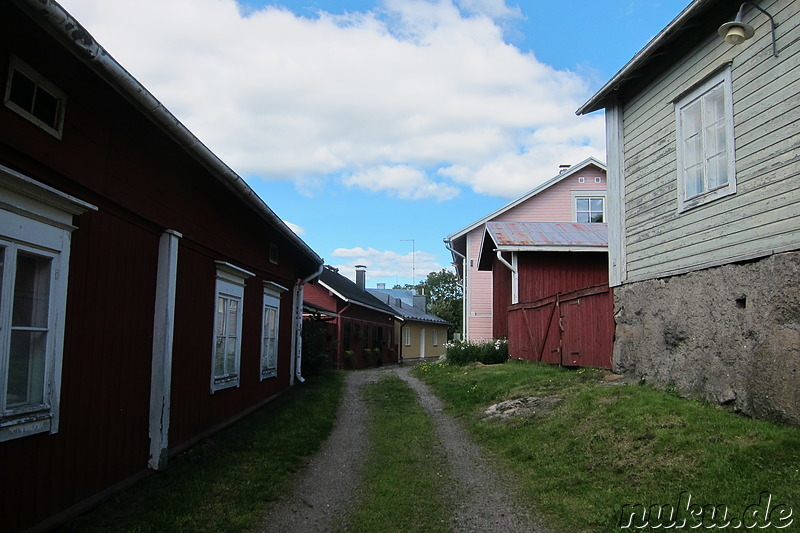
{"x": 32, "y": 96}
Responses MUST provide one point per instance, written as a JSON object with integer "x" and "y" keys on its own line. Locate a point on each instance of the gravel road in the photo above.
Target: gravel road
{"x": 482, "y": 500}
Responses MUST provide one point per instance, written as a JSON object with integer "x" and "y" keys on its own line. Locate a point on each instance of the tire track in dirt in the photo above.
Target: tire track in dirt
{"x": 324, "y": 492}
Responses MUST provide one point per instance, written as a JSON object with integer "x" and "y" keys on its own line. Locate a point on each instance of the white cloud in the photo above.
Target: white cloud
{"x": 427, "y": 89}
{"x": 402, "y": 181}
{"x": 295, "y": 228}
{"x": 383, "y": 264}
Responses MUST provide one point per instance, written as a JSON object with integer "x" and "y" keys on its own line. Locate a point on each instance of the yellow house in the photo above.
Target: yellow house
{"x": 419, "y": 334}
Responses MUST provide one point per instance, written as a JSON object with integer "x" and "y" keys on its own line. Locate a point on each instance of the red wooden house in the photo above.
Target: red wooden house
{"x": 551, "y": 295}
{"x": 148, "y": 297}
{"x": 360, "y": 328}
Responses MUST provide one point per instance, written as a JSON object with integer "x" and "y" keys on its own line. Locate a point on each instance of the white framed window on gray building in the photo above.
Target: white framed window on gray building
{"x": 269, "y": 329}
{"x": 34, "y": 269}
{"x": 704, "y": 136}
{"x": 228, "y": 325}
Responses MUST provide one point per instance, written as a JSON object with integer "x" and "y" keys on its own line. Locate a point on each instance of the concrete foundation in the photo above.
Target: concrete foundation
{"x": 729, "y": 335}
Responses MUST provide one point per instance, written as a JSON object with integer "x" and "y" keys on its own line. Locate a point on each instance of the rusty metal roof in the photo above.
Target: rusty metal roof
{"x": 547, "y": 235}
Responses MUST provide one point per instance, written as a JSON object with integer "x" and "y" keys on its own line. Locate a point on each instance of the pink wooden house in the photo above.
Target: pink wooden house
{"x": 576, "y": 194}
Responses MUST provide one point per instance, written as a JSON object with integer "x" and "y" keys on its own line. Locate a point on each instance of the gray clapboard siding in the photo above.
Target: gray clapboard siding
{"x": 761, "y": 218}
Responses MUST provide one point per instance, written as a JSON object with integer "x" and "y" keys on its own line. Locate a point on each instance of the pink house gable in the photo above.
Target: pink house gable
{"x": 553, "y": 201}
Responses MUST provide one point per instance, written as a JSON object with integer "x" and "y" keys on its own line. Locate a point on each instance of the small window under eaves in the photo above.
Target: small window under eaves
{"x": 32, "y": 96}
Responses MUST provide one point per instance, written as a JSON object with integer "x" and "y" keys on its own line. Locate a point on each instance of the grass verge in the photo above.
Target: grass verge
{"x": 603, "y": 449}
{"x": 402, "y": 489}
{"x": 224, "y": 483}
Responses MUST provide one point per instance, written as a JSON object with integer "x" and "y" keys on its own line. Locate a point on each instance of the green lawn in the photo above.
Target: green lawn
{"x": 605, "y": 448}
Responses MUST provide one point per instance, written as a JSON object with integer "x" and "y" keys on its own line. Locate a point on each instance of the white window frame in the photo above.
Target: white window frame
{"x": 229, "y": 288}
{"x": 588, "y": 195}
{"x": 270, "y": 340}
{"x": 35, "y": 219}
{"x": 435, "y": 337}
{"x": 17, "y": 65}
{"x": 407, "y": 336}
{"x": 721, "y": 80}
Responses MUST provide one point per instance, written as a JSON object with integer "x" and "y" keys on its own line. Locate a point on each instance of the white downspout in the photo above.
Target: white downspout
{"x": 463, "y": 287}
{"x": 514, "y": 275}
{"x": 297, "y": 326}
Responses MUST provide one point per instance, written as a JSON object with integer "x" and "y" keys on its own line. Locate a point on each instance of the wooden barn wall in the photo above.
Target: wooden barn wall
{"x": 543, "y": 274}
{"x": 195, "y": 410}
{"x": 102, "y": 437}
{"x": 570, "y": 329}
{"x": 142, "y": 183}
{"x": 501, "y": 276}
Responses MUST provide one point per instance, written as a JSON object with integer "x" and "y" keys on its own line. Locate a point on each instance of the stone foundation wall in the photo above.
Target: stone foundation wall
{"x": 729, "y": 335}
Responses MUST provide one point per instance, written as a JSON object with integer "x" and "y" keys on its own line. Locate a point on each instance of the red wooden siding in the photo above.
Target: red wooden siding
{"x": 571, "y": 329}
{"x": 113, "y": 156}
{"x": 565, "y": 314}
{"x": 501, "y": 275}
{"x": 543, "y": 274}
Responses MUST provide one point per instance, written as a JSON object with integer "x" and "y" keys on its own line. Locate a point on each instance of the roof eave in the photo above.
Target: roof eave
{"x": 74, "y": 37}
{"x": 598, "y": 101}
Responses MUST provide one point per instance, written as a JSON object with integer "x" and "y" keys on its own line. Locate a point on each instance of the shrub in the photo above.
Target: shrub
{"x": 488, "y": 353}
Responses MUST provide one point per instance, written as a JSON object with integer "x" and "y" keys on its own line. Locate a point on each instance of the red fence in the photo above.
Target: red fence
{"x": 569, "y": 329}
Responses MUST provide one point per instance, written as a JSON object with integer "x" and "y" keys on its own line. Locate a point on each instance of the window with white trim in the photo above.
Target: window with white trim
{"x": 33, "y": 97}
{"x": 705, "y": 146}
{"x": 589, "y": 209}
{"x": 34, "y": 267}
{"x": 435, "y": 337}
{"x": 269, "y": 329}
{"x": 407, "y": 336}
{"x": 228, "y": 326}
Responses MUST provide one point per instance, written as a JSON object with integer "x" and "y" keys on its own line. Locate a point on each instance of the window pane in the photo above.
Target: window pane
{"x": 220, "y": 316}
{"x": 690, "y": 116}
{"x": 583, "y": 218}
{"x": 717, "y": 171}
{"x": 715, "y": 106}
{"x": 45, "y": 107}
{"x": 692, "y": 151}
{"x": 597, "y": 218}
{"x": 597, "y": 204}
{"x": 694, "y": 181}
{"x": 230, "y": 357}
{"x": 26, "y": 368}
{"x": 22, "y": 89}
{"x": 31, "y": 291}
{"x": 219, "y": 357}
{"x": 582, "y": 204}
{"x": 233, "y": 317}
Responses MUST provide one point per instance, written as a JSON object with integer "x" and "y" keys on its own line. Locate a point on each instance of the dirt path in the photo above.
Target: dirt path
{"x": 324, "y": 491}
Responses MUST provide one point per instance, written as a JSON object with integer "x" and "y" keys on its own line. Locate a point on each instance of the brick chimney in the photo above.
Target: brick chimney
{"x": 421, "y": 302}
{"x": 361, "y": 277}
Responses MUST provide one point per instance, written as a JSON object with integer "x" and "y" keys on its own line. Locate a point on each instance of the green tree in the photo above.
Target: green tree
{"x": 445, "y": 297}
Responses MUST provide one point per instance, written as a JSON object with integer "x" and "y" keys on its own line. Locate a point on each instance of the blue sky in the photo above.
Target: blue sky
{"x": 377, "y": 128}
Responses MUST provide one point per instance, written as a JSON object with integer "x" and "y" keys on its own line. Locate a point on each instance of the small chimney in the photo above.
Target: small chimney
{"x": 381, "y": 286}
{"x": 421, "y": 302}
{"x": 563, "y": 168}
{"x": 398, "y": 302}
{"x": 361, "y": 277}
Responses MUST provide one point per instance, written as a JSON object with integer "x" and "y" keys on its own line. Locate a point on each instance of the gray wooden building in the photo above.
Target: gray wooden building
{"x": 704, "y": 233}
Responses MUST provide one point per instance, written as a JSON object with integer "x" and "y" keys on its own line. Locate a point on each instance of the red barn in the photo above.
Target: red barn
{"x": 551, "y": 295}
{"x": 149, "y": 296}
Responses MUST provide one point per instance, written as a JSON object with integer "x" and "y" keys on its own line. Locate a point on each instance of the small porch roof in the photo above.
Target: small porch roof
{"x": 540, "y": 237}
